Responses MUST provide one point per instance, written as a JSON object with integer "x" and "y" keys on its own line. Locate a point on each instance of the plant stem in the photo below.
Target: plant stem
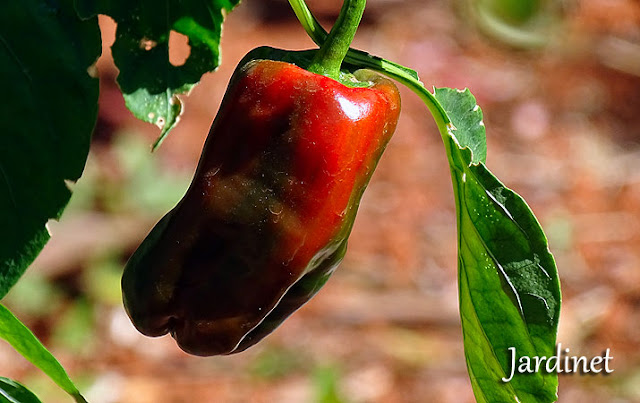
{"x": 362, "y": 59}
{"x": 333, "y": 51}
{"x": 308, "y": 21}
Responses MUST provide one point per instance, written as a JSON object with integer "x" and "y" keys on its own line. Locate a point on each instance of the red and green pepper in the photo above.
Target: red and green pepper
{"x": 266, "y": 219}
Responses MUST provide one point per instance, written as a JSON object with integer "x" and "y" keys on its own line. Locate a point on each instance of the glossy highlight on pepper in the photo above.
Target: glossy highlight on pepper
{"x": 266, "y": 219}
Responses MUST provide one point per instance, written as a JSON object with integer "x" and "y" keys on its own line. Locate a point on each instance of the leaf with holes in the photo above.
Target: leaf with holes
{"x": 46, "y": 54}
{"x": 149, "y": 82}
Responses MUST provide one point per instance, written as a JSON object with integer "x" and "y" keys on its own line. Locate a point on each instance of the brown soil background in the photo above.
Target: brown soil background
{"x": 563, "y": 129}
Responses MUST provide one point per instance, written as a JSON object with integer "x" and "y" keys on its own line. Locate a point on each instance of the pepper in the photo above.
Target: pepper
{"x": 267, "y": 216}
{"x": 266, "y": 219}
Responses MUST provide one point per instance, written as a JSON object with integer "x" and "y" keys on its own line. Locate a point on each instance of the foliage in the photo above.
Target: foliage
{"x": 21, "y": 338}
{"x": 149, "y": 82}
{"x": 508, "y": 281}
{"x": 12, "y": 391}
{"x": 47, "y": 56}
{"x": 509, "y": 289}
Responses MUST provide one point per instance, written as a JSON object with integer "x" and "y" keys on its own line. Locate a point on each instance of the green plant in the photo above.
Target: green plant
{"x": 508, "y": 281}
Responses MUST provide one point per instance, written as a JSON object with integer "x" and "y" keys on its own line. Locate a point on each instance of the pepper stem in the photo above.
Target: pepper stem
{"x": 333, "y": 51}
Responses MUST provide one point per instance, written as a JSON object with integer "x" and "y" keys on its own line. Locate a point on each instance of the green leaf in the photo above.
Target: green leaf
{"x": 50, "y": 108}
{"x": 13, "y": 392}
{"x": 25, "y": 343}
{"x": 509, "y": 286}
{"x": 149, "y": 82}
{"x": 466, "y": 117}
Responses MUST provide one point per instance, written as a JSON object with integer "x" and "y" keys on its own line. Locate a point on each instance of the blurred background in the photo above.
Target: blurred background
{"x": 559, "y": 84}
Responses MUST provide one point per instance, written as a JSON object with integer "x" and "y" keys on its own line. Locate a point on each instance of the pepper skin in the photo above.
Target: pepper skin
{"x": 267, "y": 216}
